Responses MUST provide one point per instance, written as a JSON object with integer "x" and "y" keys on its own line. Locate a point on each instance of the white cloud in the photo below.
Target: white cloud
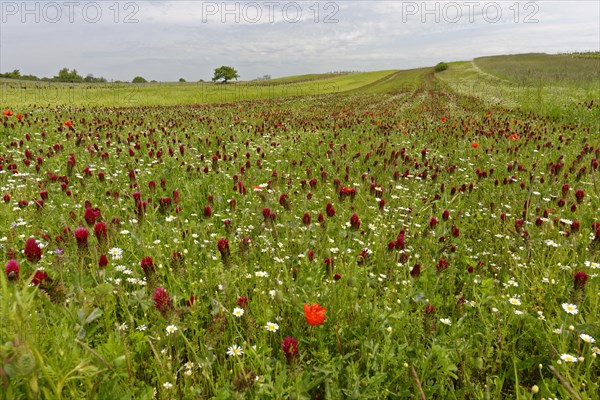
{"x": 173, "y": 39}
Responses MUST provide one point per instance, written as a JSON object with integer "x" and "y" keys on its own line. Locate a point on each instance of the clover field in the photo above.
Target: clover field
{"x": 410, "y": 244}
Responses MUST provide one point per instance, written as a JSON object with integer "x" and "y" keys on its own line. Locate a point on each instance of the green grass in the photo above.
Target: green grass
{"x": 544, "y": 70}
{"x": 303, "y": 78}
{"x": 22, "y": 93}
{"x": 398, "y": 82}
{"x": 530, "y": 81}
{"x": 504, "y": 85}
{"x": 449, "y": 272}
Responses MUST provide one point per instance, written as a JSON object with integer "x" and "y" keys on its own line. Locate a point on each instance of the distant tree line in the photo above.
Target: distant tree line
{"x": 64, "y": 75}
{"x": 584, "y": 54}
{"x": 69, "y": 76}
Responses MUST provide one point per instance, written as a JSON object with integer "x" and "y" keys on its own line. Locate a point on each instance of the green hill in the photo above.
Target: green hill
{"x": 544, "y": 69}
{"x": 524, "y": 80}
{"x": 19, "y": 93}
{"x": 543, "y": 83}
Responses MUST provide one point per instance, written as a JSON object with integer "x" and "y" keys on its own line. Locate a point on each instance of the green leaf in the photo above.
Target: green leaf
{"x": 95, "y": 314}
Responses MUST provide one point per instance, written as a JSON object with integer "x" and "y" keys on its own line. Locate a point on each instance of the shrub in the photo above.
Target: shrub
{"x": 442, "y": 66}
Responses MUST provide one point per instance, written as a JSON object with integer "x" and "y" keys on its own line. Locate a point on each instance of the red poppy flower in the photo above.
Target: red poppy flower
{"x": 315, "y": 314}
{"x": 68, "y": 124}
{"x": 347, "y": 191}
{"x": 7, "y": 113}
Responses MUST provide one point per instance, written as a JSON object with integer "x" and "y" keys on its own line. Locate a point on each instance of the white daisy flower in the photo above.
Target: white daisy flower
{"x": 116, "y": 253}
{"x": 587, "y": 338}
{"x": 272, "y": 327}
{"x": 171, "y": 329}
{"x": 570, "y": 308}
{"x": 568, "y": 358}
{"x": 238, "y": 312}
{"x": 235, "y": 350}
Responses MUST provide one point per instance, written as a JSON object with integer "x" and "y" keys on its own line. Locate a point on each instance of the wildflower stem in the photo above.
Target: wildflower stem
{"x": 187, "y": 342}
{"x": 339, "y": 341}
{"x": 156, "y": 355}
{"x": 418, "y": 382}
{"x": 564, "y": 382}
{"x": 4, "y": 380}
{"x": 40, "y": 361}
{"x": 95, "y": 353}
{"x": 127, "y": 357}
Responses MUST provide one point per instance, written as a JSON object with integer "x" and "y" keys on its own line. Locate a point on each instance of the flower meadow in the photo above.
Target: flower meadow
{"x": 419, "y": 245}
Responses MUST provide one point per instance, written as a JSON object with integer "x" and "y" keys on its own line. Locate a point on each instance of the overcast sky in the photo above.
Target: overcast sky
{"x": 168, "y": 40}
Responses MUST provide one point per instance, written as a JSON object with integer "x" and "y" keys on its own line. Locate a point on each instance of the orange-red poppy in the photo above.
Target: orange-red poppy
{"x": 347, "y": 191}
{"x": 68, "y": 123}
{"x": 514, "y": 136}
{"x": 443, "y": 119}
{"x": 8, "y": 113}
{"x": 475, "y": 145}
{"x": 19, "y": 117}
{"x": 315, "y": 314}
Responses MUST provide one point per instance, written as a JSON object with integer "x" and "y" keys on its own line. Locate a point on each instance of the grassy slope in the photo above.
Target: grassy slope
{"x": 302, "y": 78}
{"x": 544, "y": 69}
{"x": 539, "y": 82}
{"x": 15, "y": 93}
{"x": 401, "y": 81}
{"x": 546, "y": 84}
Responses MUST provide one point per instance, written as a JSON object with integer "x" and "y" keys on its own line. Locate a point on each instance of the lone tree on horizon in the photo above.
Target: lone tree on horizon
{"x": 225, "y": 73}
